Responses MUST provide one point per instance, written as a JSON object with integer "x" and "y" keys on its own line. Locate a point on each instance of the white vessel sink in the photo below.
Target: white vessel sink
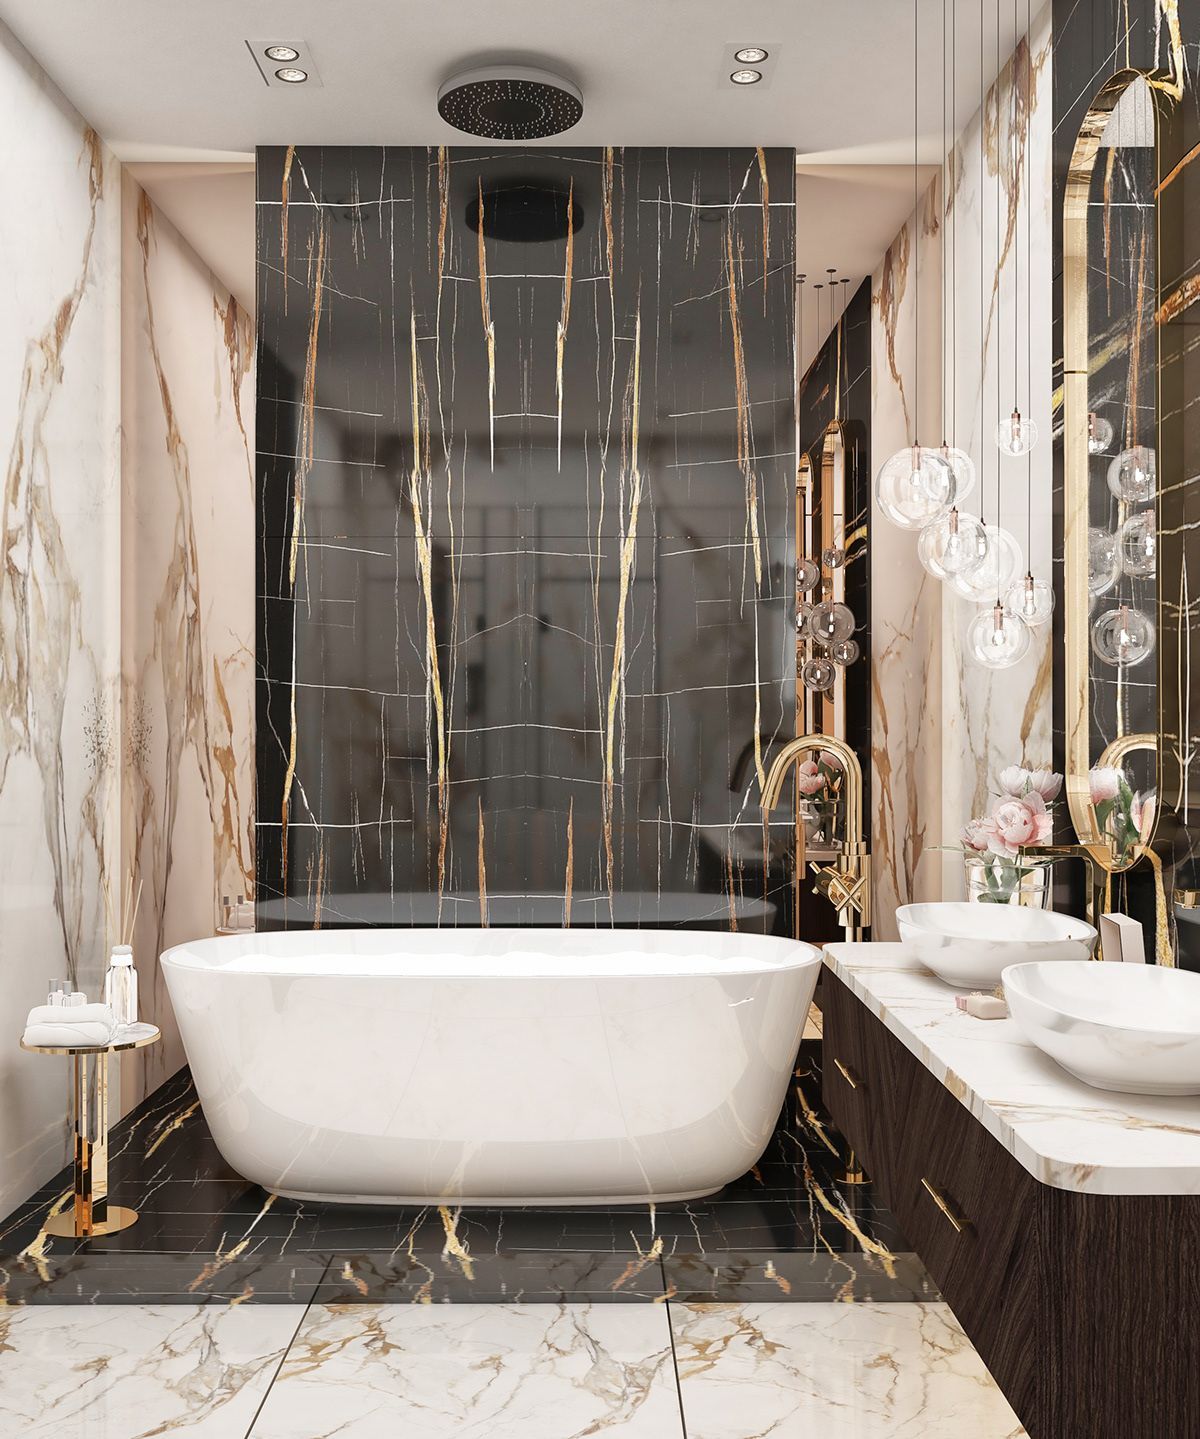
{"x": 1129, "y": 1027}
{"x": 970, "y": 945}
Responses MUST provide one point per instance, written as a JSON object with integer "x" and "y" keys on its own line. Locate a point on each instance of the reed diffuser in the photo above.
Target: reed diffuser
{"x": 120, "y": 983}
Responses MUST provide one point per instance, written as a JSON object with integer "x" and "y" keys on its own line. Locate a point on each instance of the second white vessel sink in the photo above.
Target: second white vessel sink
{"x": 1128, "y": 1027}
{"x": 970, "y": 945}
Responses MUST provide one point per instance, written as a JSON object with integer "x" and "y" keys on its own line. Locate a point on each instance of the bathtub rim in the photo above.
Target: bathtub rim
{"x": 779, "y": 955}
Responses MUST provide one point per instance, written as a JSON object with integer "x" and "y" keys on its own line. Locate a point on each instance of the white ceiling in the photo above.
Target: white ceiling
{"x": 212, "y": 207}
{"x": 846, "y": 217}
{"x": 165, "y": 81}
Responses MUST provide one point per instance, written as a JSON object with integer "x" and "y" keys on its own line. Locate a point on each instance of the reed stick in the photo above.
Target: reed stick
{"x": 133, "y": 917}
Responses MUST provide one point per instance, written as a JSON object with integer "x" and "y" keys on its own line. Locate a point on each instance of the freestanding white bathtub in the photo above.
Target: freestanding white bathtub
{"x": 491, "y": 1066}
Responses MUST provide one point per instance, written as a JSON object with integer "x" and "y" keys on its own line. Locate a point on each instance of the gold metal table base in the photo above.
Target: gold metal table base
{"x": 90, "y": 1214}
{"x": 118, "y": 1218}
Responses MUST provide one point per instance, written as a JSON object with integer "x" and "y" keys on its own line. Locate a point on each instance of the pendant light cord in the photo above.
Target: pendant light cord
{"x": 982, "y": 268}
{"x": 1028, "y": 196}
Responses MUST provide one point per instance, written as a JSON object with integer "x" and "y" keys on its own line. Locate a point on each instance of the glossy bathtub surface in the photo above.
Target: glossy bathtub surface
{"x": 491, "y": 1065}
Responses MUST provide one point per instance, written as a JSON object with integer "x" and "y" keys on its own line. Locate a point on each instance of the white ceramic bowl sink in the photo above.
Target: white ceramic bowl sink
{"x": 1130, "y": 1027}
{"x": 970, "y": 945}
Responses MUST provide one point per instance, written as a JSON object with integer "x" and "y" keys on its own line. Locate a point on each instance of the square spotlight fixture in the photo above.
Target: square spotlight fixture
{"x": 284, "y": 63}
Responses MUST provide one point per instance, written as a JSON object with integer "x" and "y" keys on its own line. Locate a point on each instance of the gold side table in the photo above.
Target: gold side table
{"x": 91, "y": 1213}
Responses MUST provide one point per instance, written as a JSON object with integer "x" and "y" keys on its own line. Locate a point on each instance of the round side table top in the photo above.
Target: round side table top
{"x": 129, "y": 1036}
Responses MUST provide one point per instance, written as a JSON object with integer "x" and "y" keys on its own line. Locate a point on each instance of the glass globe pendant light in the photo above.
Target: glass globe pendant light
{"x": 1139, "y": 544}
{"x": 1032, "y": 600}
{"x": 1122, "y": 637}
{"x": 954, "y": 545}
{"x": 915, "y": 486}
{"x": 808, "y": 572}
{"x": 833, "y": 557}
{"x": 830, "y": 622}
{"x": 1104, "y": 561}
{"x": 844, "y": 652}
{"x": 1132, "y": 475}
{"x": 1016, "y": 435}
{"x": 998, "y": 639}
{"x": 818, "y": 673}
{"x": 962, "y": 466}
{"x": 1100, "y": 434}
{"x": 1000, "y": 565}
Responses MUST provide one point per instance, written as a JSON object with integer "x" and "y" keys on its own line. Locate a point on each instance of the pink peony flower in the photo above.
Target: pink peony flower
{"x": 1014, "y": 780}
{"x": 1141, "y": 812}
{"x": 831, "y": 761}
{"x": 1015, "y": 822}
{"x": 975, "y": 836}
{"x": 1046, "y": 783}
{"x": 809, "y": 779}
{"x": 1105, "y": 784}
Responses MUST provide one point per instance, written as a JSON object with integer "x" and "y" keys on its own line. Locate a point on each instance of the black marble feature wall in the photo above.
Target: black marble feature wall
{"x": 526, "y": 461}
{"x": 837, "y": 390}
{"x": 1155, "y": 302}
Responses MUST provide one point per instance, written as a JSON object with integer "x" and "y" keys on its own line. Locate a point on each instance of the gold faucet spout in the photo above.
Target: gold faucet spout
{"x": 847, "y": 882}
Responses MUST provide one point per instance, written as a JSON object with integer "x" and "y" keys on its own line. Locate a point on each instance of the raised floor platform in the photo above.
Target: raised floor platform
{"x": 788, "y": 1230}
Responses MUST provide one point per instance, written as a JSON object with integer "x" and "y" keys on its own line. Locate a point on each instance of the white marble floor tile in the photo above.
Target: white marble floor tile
{"x": 838, "y": 1371}
{"x": 476, "y": 1371}
{"x": 125, "y": 1371}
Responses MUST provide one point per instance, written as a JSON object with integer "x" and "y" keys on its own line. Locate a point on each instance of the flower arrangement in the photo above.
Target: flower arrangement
{"x": 1124, "y": 816}
{"x": 992, "y": 844}
{"x": 820, "y": 783}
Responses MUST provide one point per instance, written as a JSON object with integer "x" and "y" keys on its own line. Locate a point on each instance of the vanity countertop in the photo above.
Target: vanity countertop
{"x": 1065, "y": 1133}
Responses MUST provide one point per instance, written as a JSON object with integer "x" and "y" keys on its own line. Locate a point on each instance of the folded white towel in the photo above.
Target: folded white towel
{"x": 69, "y": 1026}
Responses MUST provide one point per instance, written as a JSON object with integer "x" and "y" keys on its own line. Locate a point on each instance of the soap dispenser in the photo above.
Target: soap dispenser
{"x": 120, "y": 985}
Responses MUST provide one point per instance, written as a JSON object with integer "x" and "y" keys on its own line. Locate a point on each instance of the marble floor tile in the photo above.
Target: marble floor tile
{"x": 476, "y": 1371}
{"x": 840, "y": 1371}
{"x": 130, "y": 1372}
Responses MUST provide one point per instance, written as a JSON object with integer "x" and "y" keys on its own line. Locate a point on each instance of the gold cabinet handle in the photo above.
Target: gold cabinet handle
{"x": 956, "y": 1223}
{"x": 845, "y": 1073}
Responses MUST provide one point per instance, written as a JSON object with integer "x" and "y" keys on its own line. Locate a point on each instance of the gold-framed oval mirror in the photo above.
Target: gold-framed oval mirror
{"x": 1111, "y": 520}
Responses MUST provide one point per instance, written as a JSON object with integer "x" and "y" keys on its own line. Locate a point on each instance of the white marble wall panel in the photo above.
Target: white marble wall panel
{"x": 187, "y": 602}
{"x": 59, "y": 584}
{"x": 943, "y": 725}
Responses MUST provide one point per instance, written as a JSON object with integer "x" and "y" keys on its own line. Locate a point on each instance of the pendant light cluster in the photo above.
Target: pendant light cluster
{"x": 825, "y": 626}
{"x": 923, "y": 488}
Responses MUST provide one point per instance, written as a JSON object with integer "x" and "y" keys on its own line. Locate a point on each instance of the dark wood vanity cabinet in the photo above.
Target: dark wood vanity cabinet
{"x": 1086, "y": 1308}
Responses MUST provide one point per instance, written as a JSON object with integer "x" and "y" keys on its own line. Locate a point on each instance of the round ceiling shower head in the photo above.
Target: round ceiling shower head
{"x": 510, "y": 102}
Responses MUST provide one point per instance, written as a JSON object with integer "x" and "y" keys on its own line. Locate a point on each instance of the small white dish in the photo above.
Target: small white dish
{"x": 969, "y": 946}
{"x": 1134, "y": 1028}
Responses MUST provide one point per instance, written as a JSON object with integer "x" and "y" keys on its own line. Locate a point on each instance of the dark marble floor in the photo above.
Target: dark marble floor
{"x": 787, "y": 1230}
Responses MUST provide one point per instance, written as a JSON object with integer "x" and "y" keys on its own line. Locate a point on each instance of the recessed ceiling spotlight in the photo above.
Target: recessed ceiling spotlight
{"x": 751, "y": 55}
{"x": 746, "y": 77}
{"x": 284, "y": 53}
{"x": 292, "y": 77}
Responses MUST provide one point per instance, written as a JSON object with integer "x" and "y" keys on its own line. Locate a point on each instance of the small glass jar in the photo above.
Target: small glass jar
{"x": 992, "y": 879}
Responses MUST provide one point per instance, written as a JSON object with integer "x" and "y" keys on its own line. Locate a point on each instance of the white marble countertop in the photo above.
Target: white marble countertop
{"x": 1065, "y": 1133}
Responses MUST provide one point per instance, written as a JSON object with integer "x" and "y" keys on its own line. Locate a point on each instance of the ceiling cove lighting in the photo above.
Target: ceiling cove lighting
{"x": 292, "y": 77}
{"x": 746, "y": 77}
{"x": 281, "y": 54}
{"x": 751, "y": 55}
{"x": 510, "y": 102}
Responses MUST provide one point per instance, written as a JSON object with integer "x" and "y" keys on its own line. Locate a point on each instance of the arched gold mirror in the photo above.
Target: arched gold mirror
{"x": 1111, "y": 520}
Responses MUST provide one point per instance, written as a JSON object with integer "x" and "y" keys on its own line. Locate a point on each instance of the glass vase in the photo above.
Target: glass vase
{"x": 991, "y": 879}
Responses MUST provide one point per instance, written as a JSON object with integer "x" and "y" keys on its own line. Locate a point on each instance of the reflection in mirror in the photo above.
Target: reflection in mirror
{"x": 1110, "y": 454}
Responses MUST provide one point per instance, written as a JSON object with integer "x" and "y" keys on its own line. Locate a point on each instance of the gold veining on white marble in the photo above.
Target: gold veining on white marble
{"x": 476, "y": 1371}
{"x": 837, "y": 1371}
